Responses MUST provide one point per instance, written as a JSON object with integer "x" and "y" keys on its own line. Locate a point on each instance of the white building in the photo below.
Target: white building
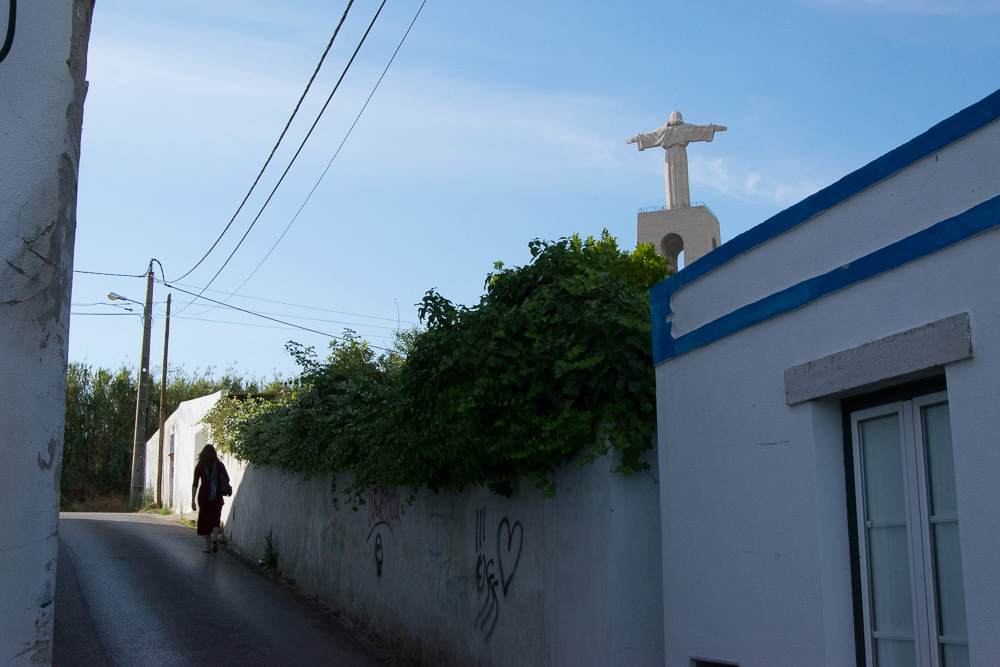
{"x": 184, "y": 436}
{"x": 828, "y": 389}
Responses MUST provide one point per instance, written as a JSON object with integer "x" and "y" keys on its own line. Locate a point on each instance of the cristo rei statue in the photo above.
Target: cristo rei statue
{"x": 674, "y": 138}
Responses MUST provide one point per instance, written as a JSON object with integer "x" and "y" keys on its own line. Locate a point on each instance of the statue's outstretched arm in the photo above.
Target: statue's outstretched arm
{"x": 633, "y": 140}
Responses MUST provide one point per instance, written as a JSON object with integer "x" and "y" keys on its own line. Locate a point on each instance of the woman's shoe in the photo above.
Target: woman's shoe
{"x": 215, "y": 547}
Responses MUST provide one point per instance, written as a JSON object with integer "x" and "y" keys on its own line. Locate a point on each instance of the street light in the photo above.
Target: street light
{"x": 163, "y": 399}
{"x": 142, "y": 398}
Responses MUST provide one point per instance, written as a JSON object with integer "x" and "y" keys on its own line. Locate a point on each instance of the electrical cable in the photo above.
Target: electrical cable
{"x": 162, "y": 277}
{"x": 240, "y": 324}
{"x": 298, "y": 305}
{"x": 158, "y": 308}
{"x": 301, "y": 146}
{"x": 101, "y": 304}
{"x": 273, "y": 319}
{"x": 325, "y": 321}
{"x": 337, "y": 152}
{"x": 116, "y": 275}
{"x": 277, "y": 143}
{"x": 11, "y": 23}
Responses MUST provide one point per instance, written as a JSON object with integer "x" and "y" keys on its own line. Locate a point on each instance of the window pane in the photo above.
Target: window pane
{"x": 948, "y": 572}
{"x": 940, "y": 464}
{"x": 883, "y": 470}
{"x": 892, "y": 652}
{"x": 889, "y": 565}
{"x": 954, "y": 655}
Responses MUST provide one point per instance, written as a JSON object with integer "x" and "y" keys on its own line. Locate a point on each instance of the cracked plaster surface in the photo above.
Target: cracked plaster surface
{"x": 38, "y": 224}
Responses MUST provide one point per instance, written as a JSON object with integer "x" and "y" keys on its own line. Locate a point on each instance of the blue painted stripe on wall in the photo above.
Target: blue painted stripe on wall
{"x": 976, "y": 220}
{"x": 947, "y": 131}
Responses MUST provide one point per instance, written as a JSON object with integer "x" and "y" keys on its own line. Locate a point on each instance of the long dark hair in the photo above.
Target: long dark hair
{"x": 207, "y": 456}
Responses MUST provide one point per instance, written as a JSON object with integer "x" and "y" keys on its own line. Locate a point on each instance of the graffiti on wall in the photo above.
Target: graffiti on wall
{"x": 452, "y": 587}
{"x": 494, "y": 573}
{"x": 383, "y": 507}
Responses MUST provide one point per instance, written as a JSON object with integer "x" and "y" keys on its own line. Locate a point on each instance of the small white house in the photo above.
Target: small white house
{"x": 828, "y": 389}
{"x": 184, "y": 436}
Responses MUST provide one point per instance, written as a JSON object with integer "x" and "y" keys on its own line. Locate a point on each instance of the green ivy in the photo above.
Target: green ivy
{"x": 556, "y": 356}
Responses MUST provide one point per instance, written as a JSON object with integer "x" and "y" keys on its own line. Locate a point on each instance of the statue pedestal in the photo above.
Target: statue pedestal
{"x": 693, "y": 229}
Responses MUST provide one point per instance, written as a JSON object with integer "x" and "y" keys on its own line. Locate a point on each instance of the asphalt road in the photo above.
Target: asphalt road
{"x": 136, "y": 589}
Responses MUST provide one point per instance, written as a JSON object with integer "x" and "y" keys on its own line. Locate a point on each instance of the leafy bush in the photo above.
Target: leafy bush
{"x": 100, "y": 421}
{"x": 556, "y": 356}
{"x": 97, "y": 438}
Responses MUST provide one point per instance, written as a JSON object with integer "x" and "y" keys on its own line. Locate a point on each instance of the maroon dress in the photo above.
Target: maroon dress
{"x": 209, "y": 505}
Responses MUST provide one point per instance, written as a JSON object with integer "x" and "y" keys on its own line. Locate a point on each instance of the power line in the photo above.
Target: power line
{"x": 266, "y": 317}
{"x": 116, "y": 275}
{"x": 241, "y": 324}
{"x": 242, "y": 296}
{"x": 286, "y": 316}
{"x": 301, "y": 146}
{"x": 297, "y": 305}
{"x": 273, "y": 150}
{"x": 337, "y": 152}
{"x": 79, "y": 314}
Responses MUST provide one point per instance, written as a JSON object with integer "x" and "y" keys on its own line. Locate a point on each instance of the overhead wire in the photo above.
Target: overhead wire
{"x": 241, "y": 324}
{"x": 266, "y": 317}
{"x": 242, "y": 296}
{"x": 160, "y": 309}
{"x": 200, "y": 295}
{"x": 301, "y": 146}
{"x": 300, "y": 305}
{"x": 277, "y": 143}
{"x": 337, "y": 152}
{"x": 117, "y": 275}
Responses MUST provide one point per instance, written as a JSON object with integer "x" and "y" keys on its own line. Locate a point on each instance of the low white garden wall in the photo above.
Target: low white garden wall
{"x": 474, "y": 578}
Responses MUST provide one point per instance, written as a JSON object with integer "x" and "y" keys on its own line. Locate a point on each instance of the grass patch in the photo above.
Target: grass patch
{"x": 103, "y": 502}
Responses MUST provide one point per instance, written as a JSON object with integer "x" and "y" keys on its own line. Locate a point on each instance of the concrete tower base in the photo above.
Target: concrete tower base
{"x": 693, "y": 229}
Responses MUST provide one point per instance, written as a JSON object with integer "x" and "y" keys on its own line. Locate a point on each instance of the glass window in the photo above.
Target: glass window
{"x": 911, "y": 565}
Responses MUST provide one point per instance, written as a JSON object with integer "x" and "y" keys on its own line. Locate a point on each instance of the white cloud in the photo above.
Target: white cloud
{"x": 451, "y": 124}
{"x": 747, "y": 185}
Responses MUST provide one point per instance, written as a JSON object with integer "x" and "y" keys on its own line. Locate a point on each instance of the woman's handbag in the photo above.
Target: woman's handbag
{"x": 225, "y": 488}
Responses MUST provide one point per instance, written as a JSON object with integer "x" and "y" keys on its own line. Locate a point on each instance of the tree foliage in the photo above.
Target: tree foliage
{"x": 555, "y": 356}
{"x": 100, "y": 421}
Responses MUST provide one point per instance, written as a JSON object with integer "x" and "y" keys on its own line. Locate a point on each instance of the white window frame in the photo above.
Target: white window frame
{"x": 918, "y": 525}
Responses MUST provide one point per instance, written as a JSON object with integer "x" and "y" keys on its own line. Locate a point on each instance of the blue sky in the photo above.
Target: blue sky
{"x": 497, "y": 123}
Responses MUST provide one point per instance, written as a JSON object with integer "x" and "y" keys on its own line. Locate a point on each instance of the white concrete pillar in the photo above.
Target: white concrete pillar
{"x": 42, "y": 88}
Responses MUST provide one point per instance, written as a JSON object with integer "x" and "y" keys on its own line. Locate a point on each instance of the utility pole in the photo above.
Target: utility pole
{"x": 142, "y": 401}
{"x": 163, "y": 409}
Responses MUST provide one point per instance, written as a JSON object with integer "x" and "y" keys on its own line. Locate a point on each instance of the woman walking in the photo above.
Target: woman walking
{"x": 212, "y": 475}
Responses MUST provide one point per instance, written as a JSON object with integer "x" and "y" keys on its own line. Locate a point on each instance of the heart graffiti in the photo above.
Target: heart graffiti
{"x": 509, "y": 540}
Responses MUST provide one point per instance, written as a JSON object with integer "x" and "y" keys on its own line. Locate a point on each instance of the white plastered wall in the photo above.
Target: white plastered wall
{"x": 755, "y": 532}
{"x": 190, "y": 437}
{"x": 475, "y": 578}
{"x": 42, "y": 88}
